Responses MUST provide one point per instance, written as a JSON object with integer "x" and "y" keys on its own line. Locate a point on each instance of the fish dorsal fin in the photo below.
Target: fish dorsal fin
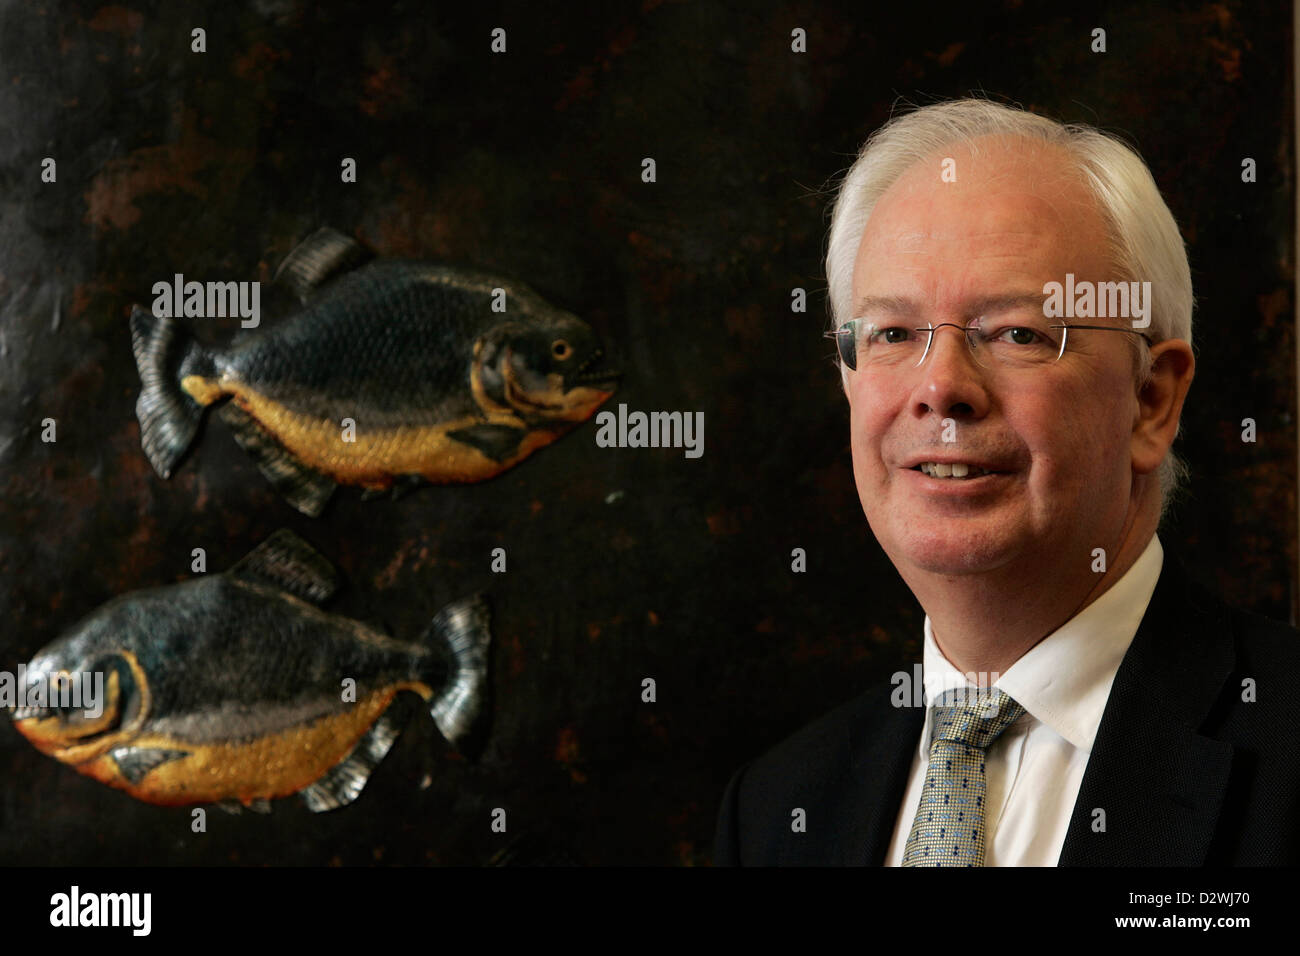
{"x": 322, "y": 254}
{"x": 289, "y": 563}
{"x": 343, "y": 782}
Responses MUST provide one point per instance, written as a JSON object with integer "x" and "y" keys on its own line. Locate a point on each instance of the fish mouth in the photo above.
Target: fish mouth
{"x": 584, "y": 376}
{"x": 67, "y": 730}
{"x": 19, "y": 714}
{"x": 29, "y": 713}
{"x": 50, "y": 733}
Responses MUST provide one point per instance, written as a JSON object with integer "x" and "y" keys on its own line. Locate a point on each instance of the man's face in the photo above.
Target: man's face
{"x": 1059, "y": 434}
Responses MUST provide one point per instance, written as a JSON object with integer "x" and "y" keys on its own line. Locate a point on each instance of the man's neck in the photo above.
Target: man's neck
{"x": 985, "y": 623}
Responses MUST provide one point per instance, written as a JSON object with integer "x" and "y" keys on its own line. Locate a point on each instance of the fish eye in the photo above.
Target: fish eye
{"x": 561, "y": 349}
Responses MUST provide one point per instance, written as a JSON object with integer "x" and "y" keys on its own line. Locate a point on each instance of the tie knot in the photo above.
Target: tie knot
{"x": 974, "y": 716}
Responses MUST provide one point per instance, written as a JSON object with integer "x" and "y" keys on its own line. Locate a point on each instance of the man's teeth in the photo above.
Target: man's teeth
{"x": 955, "y": 470}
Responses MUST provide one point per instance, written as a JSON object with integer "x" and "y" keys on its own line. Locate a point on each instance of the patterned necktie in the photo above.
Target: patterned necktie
{"x": 949, "y": 825}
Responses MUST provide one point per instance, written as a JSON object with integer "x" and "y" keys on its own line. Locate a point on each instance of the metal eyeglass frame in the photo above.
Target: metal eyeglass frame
{"x": 836, "y": 333}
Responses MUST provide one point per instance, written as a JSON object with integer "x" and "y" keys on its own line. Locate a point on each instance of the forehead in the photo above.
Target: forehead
{"x": 1018, "y": 215}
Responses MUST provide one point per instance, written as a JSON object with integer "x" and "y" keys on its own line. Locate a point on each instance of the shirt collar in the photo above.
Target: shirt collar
{"x": 1064, "y": 680}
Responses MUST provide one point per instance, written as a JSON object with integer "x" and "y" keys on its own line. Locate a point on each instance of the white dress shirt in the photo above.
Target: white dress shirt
{"x": 1035, "y": 767}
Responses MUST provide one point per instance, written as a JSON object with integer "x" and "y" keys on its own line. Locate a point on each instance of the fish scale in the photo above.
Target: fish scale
{"x": 347, "y": 354}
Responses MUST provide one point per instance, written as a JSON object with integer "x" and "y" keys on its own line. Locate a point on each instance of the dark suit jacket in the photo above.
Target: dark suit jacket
{"x": 1187, "y": 772}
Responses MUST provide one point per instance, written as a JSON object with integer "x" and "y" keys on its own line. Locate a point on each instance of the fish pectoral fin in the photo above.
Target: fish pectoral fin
{"x": 136, "y": 762}
{"x": 287, "y": 562}
{"x": 304, "y": 488}
{"x": 498, "y": 442}
{"x": 344, "y": 781}
{"x": 324, "y": 253}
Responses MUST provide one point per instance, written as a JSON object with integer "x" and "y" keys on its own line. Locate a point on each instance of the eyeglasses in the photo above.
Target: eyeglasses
{"x": 1019, "y": 342}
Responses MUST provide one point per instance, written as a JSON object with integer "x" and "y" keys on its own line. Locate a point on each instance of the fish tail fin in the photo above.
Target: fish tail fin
{"x": 462, "y": 628}
{"x": 169, "y": 418}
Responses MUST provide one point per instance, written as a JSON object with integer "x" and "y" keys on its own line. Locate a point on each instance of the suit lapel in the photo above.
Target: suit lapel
{"x": 882, "y": 755}
{"x": 1158, "y": 782}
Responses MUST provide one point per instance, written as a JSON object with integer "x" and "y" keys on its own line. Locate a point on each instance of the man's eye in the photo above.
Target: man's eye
{"x": 891, "y": 334}
{"x": 1018, "y": 335}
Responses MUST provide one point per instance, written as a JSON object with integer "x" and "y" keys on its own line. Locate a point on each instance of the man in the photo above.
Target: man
{"x": 1012, "y": 306}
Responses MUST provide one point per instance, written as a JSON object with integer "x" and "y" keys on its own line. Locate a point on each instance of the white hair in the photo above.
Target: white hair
{"x": 1144, "y": 241}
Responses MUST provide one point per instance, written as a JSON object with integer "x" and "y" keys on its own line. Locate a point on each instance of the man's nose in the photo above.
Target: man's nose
{"x": 952, "y": 378}
{"x": 956, "y": 346}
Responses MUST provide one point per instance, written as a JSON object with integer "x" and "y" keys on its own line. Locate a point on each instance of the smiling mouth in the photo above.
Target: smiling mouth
{"x": 958, "y": 471}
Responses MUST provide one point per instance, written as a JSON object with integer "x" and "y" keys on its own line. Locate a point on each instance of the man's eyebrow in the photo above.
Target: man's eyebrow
{"x": 903, "y": 306}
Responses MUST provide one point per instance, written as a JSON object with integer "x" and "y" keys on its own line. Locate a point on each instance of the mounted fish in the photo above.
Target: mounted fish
{"x": 232, "y": 688}
{"x": 436, "y": 386}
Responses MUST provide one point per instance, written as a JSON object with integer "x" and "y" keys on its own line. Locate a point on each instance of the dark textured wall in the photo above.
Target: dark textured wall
{"x": 623, "y": 563}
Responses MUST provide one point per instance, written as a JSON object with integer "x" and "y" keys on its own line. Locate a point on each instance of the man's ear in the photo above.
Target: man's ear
{"x": 1160, "y": 403}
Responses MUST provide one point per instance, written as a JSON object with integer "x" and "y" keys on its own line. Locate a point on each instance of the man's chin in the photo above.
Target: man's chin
{"x": 962, "y": 564}
{"x": 947, "y": 552}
